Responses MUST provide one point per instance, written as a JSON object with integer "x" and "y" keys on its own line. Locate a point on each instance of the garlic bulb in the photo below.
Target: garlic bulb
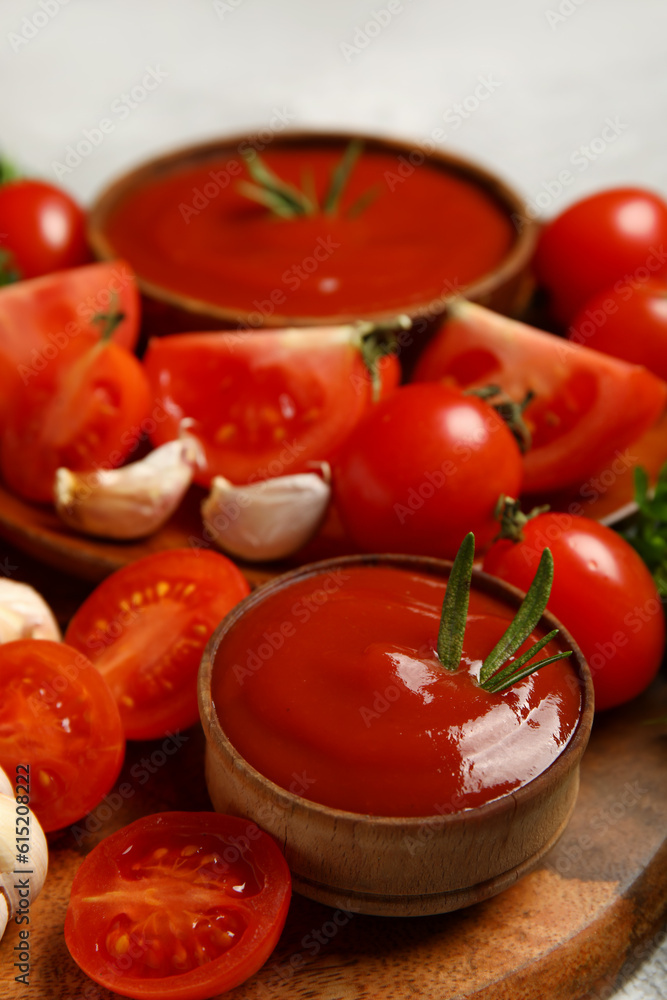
{"x": 24, "y": 614}
{"x": 20, "y": 882}
{"x": 133, "y": 501}
{"x": 266, "y": 520}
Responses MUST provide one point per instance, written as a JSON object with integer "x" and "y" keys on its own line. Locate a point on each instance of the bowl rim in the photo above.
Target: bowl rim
{"x": 511, "y": 265}
{"x": 558, "y": 769}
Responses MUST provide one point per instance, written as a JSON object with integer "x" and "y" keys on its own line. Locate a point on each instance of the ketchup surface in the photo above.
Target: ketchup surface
{"x": 426, "y": 233}
{"x": 332, "y": 689}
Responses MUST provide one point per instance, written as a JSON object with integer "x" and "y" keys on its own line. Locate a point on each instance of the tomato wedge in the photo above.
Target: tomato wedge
{"x": 40, "y": 317}
{"x": 58, "y": 716}
{"x": 586, "y": 405}
{"x": 264, "y": 404}
{"x": 145, "y": 628}
{"x": 178, "y": 906}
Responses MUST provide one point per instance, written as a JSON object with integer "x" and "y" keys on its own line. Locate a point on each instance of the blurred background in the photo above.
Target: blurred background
{"x": 561, "y": 97}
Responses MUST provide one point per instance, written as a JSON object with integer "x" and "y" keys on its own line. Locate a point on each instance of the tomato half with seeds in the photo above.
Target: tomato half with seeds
{"x": 264, "y": 403}
{"x": 586, "y": 405}
{"x": 145, "y": 628}
{"x": 58, "y": 716}
{"x": 178, "y": 906}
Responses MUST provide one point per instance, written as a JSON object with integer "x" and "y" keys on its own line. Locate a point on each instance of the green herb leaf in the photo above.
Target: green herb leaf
{"x": 293, "y": 201}
{"x": 455, "y": 606}
{"x": 340, "y": 175}
{"x": 9, "y": 273}
{"x": 523, "y": 665}
{"x": 646, "y": 530}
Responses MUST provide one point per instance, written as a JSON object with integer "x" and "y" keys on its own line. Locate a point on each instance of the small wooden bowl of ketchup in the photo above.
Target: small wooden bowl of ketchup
{"x": 394, "y": 787}
{"x": 413, "y": 227}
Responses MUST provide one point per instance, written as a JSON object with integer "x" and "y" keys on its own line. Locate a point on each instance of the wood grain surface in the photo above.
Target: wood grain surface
{"x": 566, "y": 931}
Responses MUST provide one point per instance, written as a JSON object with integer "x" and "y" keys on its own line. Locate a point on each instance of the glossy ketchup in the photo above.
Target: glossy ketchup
{"x": 331, "y": 688}
{"x": 424, "y": 233}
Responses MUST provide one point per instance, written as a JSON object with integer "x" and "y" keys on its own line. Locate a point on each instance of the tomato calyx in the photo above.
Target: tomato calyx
{"x": 377, "y": 341}
{"x": 9, "y": 273}
{"x": 513, "y": 519}
{"x": 497, "y": 672}
{"x": 109, "y": 321}
{"x": 509, "y": 410}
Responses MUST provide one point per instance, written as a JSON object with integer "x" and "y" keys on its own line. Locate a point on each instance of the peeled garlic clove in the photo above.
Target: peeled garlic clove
{"x": 32, "y": 874}
{"x": 130, "y": 502}
{"x": 266, "y": 520}
{"x": 24, "y": 614}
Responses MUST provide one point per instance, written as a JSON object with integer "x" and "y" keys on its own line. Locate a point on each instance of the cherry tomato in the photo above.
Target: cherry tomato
{"x": 264, "y": 403}
{"x": 586, "y": 405}
{"x": 423, "y": 468}
{"x": 626, "y": 323}
{"x": 84, "y": 411}
{"x": 602, "y": 593}
{"x": 145, "y": 628}
{"x": 40, "y": 318}
{"x": 42, "y": 227}
{"x": 615, "y": 236}
{"x": 178, "y": 906}
{"x": 58, "y": 716}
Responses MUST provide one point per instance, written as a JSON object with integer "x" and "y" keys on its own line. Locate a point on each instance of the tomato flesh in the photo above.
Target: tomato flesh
{"x": 145, "y": 628}
{"x": 58, "y": 715}
{"x": 178, "y": 905}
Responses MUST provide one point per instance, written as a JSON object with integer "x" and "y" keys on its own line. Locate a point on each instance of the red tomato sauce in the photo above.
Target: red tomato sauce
{"x": 426, "y": 233}
{"x": 332, "y": 689}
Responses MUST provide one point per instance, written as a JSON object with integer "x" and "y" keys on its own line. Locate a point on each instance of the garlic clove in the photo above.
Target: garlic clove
{"x": 37, "y": 853}
{"x": 266, "y": 520}
{"x": 24, "y": 614}
{"x": 133, "y": 501}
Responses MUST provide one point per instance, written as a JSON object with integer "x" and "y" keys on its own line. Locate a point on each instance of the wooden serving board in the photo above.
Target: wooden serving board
{"x": 588, "y": 914}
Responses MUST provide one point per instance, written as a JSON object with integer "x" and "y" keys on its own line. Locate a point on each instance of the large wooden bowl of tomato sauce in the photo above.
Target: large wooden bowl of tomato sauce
{"x": 413, "y": 227}
{"x": 394, "y": 787}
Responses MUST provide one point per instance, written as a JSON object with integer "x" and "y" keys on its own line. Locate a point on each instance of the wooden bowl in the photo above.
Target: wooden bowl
{"x": 397, "y": 866}
{"x": 505, "y": 288}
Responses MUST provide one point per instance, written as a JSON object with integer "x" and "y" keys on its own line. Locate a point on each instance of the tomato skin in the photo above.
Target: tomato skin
{"x": 628, "y": 324}
{"x": 136, "y": 884}
{"x": 602, "y": 593}
{"x": 145, "y": 627}
{"x": 423, "y": 468}
{"x": 83, "y": 411}
{"x": 598, "y": 241}
{"x": 58, "y": 715}
{"x": 264, "y": 403}
{"x": 43, "y": 227}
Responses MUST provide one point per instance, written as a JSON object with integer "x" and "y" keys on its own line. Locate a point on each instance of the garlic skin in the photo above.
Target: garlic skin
{"x": 269, "y": 519}
{"x": 10, "y": 823}
{"x": 130, "y": 502}
{"x": 24, "y": 614}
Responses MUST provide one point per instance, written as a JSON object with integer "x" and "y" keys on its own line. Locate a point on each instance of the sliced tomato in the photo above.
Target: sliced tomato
{"x": 85, "y": 410}
{"x": 586, "y": 405}
{"x": 41, "y": 317}
{"x": 145, "y": 628}
{"x": 178, "y": 906}
{"x": 58, "y": 716}
{"x": 265, "y": 403}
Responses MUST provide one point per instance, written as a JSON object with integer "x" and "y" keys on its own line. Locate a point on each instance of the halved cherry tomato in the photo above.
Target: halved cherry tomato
{"x": 425, "y": 467}
{"x": 611, "y": 236}
{"x": 626, "y": 323}
{"x": 58, "y": 716}
{"x": 178, "y": 906}
{"x": 40, "y": 318}
{"x": 586, "y": 405}
{"x": 84, "y": 411}
{"x": 264, "y": 403}
{"x": 145, "y": 628}
{"x": 42, "y": 227}
{"x": 602, "y": 593}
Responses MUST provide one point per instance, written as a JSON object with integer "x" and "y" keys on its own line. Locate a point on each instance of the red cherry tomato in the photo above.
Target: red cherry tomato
{"x": 58, "y": 716}
{"x": 602, "y": 593}
{"x": 627, "y": 323}
{"x": 265, "y": 403}
{"x": 615, "y": 236}
{"x": 42, "y": 227}
{"x": 425, "y": 467}
{"x": 178, "y": 906}
{"x": 145, "y": 628}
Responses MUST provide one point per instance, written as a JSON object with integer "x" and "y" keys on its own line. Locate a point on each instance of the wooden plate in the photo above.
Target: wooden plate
{"x": 37, "y": 530}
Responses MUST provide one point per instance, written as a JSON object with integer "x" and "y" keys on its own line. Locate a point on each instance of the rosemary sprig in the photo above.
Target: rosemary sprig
{"x": 339, "y": 177}
{"x": 646, "y": 530}
{"x": 499, "y": 671}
